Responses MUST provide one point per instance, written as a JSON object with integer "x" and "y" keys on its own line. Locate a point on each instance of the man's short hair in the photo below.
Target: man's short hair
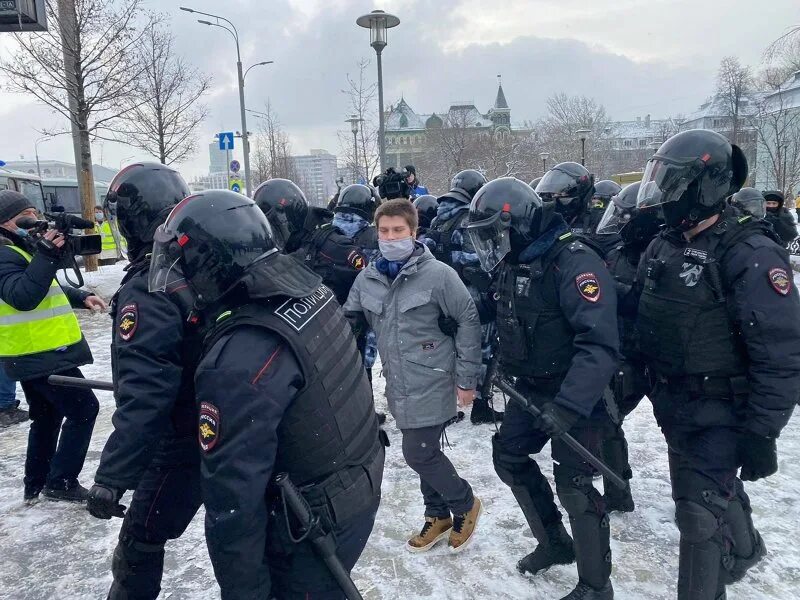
{"x": 399, "y": 207}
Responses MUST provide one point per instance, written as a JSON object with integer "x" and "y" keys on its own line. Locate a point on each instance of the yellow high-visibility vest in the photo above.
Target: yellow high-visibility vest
{"x": 50, "y": 325}
{"x": 107, "y": 236}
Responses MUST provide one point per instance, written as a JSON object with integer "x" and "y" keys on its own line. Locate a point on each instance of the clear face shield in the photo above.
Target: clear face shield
{"x": 164, "y": 261}
{"x": 614, "y": 219}
{"x": 665, "y": 180}
{"x": 491, "y": 239}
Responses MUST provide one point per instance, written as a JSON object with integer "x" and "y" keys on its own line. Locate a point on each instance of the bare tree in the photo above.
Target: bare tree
{"x": 362, "y": 104}
{"x": 734, "y": 83}
{"x": 82, "y": 68}
{"x": 163, "y": 117}
{"x": 777, "y": 125}
{"x": 272, "y": 149}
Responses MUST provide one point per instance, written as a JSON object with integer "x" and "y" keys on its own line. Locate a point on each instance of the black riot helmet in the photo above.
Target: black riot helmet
{"x": 212, "y": 238}
{"x": 285, "y": 207}
{"x": 691, "y": 175}
{"x": 570, "y": 186}
{"x": 504, "y": 218}
{"x": 141, "y": 196}
{"x": 750, "y": 201}
{"x": 619, "y": 211}
{"x": 535, "y": 182}
{"x": 426, "y": 209}
{"x": 605, "y": 190}
{"x": 465, "y": 185}
{"x": 358, "y": 199}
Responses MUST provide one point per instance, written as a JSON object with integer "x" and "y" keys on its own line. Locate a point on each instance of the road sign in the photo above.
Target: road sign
{"x": 236, "y": 185}
{"x": 225, "y": 140}
{"x": 235, "y": 166}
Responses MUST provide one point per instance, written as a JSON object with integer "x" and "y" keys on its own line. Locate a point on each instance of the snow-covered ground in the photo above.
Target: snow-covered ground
{"x": 58, "y": 551}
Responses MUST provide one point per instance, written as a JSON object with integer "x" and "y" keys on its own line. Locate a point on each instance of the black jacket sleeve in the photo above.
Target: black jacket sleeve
{"x": 784, "y": 225}
{"x": 766, "y": 308}
{"x": 588, "y": 299}
{"x": 246, "y": 382}
{"x": 24, "y": 285}
{"x": 147, "y": 379}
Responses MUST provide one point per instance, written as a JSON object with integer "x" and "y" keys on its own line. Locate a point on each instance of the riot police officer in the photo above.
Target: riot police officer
{"x": 719, "y": 327}
{"x": 750, "y": 201}
{"x": 634, "y": 229}
{"x": 272, "y": 399}
{"x": 450, "y": 244}
{"x": 571, "y": 187}
{"x": 426, "y": 211}
{"x": 780, "y": 217}
{"x": 557, "y": 325}
{"x": 604, "y": 191}
{"x": 353, "y": 216}
{"x": 153, "y": 448}
{"x": 305, "y": 232}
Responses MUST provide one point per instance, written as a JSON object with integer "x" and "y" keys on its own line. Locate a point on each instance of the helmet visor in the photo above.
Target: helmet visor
{"x": 614, "y": 218}
{"x": 491, "y": 239}
{"x": 665, "y": 180}
{"x": 164, "y": 259}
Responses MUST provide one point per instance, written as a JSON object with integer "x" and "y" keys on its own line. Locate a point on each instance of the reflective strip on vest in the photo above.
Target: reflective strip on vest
{"x": 49, "y": 326}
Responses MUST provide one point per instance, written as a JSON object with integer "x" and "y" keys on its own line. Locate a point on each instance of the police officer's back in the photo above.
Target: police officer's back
{"x": 719, "y": 326}
{"x": 306, "y": 233}
{"x": 153, "y": 448}
{"x": 557, "y": 325}
{"x": 280, "y": 390}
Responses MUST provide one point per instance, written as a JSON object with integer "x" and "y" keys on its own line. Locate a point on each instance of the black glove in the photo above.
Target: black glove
{"x": 448, "y": 325}
{"x": 103, "y": 502}
{"x": 758, "y": 455}
{"x": 556, "y": 420}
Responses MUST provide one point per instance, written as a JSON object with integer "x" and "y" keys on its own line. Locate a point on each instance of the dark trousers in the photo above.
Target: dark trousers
{"x": 56, "y": 452}
{"x": 163, "y": 504}
{"x": 443, "y": 491}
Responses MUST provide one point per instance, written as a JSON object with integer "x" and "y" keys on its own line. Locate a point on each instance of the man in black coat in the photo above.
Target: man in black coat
{"x": 780, "y": 217}
{"x": 40, "y": 336}
{"x": 153, "y": 449}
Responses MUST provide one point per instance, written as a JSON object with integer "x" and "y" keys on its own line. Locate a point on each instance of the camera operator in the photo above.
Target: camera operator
{"x": 40, "y": 336}
{"x": 414, "y": 188}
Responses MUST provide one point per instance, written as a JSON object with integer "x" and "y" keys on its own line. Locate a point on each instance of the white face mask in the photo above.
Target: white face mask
{"x": 98, "y": 216}
{"x": 396, "y": 250}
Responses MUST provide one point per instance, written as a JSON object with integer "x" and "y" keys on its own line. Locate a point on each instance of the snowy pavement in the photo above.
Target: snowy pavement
{"x": 55, "y": 551}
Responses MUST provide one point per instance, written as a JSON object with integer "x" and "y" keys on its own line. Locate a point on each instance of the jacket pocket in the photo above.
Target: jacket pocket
{"x": 414, "y": 300}
{"x": 372, "y": 304}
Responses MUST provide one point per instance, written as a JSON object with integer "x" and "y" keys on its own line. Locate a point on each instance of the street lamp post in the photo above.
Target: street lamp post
{"x": 354, "y": 120}
{"x": 582, "y": 133}
{"x": 245, "y": 136}
{"x": 36, "y": 152}
{"x": 379, "y": 22}
{"x": 544, "y": 156}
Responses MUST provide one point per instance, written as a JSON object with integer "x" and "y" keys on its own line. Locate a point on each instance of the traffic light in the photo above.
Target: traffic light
{"x": 22, "y": 15}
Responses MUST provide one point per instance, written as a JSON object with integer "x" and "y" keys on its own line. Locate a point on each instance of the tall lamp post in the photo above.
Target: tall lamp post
{"x": 234, "y": 32}
{"x": 544, "y": 156}
{"x": 379, "y": 22}
{"x": 582, "y": 134}
{"x": 354, "y": 120}
{"x": 36, "y": 151}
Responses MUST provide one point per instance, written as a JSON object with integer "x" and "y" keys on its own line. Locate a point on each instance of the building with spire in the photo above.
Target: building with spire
{"x": 408, "y": 133}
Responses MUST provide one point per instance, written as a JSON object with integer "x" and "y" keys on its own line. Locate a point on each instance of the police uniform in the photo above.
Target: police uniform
{"x": 153, "y": 448}
{"x": 367, "y": 240}
{"x": 719, "y": 326}
{"x": 278, "y": 392}
{"x": 557, "y": 324}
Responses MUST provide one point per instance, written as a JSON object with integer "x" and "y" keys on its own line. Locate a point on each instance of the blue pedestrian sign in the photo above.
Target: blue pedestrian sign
{"x": 225, "y": 140}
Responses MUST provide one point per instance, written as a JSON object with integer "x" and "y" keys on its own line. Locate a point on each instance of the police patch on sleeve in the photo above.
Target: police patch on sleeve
{"x": 356, "y": 260}
{"x": 208, "y": 429}
{"x": 128, "y": 321}
{"x": 780, "y": 281}
{"x": 588, "y": 286}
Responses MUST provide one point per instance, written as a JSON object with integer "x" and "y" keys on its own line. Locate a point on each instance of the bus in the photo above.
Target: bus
{"x": 65, "y": 192}
{"x": 26, "y": 184}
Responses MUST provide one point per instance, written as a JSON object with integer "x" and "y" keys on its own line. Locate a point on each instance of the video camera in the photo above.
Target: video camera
{"x": 392, "y": 184}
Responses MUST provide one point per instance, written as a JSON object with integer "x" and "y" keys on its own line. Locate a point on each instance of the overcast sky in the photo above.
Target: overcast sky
{"x": 633, "y": 56}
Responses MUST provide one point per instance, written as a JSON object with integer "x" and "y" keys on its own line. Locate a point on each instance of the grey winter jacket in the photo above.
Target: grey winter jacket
{"x": 422, "y": 365}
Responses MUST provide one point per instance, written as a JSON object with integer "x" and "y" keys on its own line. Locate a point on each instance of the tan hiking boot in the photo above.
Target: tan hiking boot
{"x": 464, "y": 527}
{"x": 434, "y": 530}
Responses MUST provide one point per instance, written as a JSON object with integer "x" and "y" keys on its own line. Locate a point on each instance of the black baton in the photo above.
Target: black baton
{"x": 568, "y": 439}
{"x": 79, "y": 382}
{"x": 323, "y": 544}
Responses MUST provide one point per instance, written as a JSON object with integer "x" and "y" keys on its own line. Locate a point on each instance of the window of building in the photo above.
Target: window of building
{"x": 642, "y": 143}
{"x": 627, "y": 143}
{"x": 403, "y": 121}
{"x": 717, "y": 123}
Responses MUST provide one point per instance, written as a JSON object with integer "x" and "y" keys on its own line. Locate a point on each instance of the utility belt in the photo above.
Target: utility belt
{"x": 345, "y": 494}
{"x": 736, "y": 388}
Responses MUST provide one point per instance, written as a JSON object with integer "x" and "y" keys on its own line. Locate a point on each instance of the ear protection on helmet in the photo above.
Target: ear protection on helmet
{"x": 739, "y": 175}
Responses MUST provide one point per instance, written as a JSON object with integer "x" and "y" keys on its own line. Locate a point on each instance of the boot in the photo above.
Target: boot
{"x": 434, "y": 530}
{"x": 12, "y": 416}
{"x": 32, "y": 493}
{"x": 583, "y": 591}
{"x": 483, "y": 413}
{"x": 137, "y": 568}
{"x": 554, "y": 549}
{"x": 464, "y": 527}
{"x": 615, "y": 453}
{"x": 69, "y": 492}
{"x": 617, "y": 500}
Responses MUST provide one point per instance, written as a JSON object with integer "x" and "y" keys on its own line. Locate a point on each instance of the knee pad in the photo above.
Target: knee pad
{"x": 510, "y": 468}
{"x": 696, "y": 523}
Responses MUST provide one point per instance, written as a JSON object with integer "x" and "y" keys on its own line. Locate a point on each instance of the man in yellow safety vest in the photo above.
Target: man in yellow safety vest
{"x": 40, "y": 336}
